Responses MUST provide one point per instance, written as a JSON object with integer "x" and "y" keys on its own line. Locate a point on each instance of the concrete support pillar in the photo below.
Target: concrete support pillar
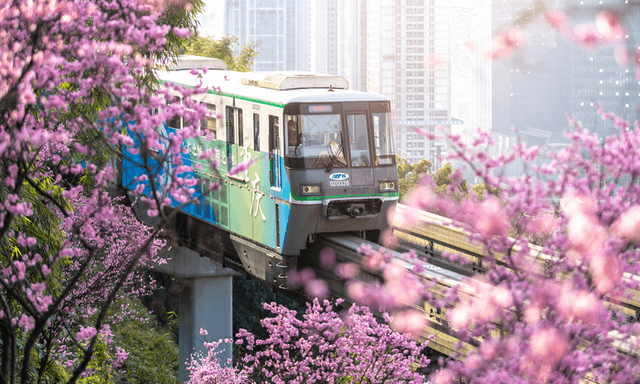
{"x": 205, "y": 303}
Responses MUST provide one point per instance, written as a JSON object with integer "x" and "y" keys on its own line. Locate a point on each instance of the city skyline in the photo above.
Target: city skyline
{"x": 367, "y": 42}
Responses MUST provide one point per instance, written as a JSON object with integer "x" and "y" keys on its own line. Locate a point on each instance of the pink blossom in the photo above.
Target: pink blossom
{"x": 434, "y": 61}
{"x": 420, "y": 198}
{"x": 622, "y": 55}
{"x": 389, "y": 240}
{"x": 503, "y": 45}
{"x": 374, "y": 261}
{"x": 532, "y": 314}
{"x": 606, "y": 271}
{"x": 26, "y": 322}
{"x": 394, "y": 271}
{"x": 327, "y": 258}
{"x": 556, "y": 19}
{"x": 588, "y": 36}
{"x": 443, "y": 376}
{"x": 410, "y": 321}
{"x": 316, "y": 288}
{"x": 491, "y": 219}
{"x": 627, "y": 226}
{"x": 356, "y": 290}
{"x": 585, "y": 234}
{"x": 582, "y": 305}
{"x": 548, "y": 346}
{"x": 543, "y": 225}
{"x": 609, "y": 25}
{"x": 347, "y": 270}
{"x": 182, "y": 32}
{"x": 86, "y": 333}
{"x": 121, "y": 356}
{"x": 203, "y": 332}
{"x": 460, "y": 316}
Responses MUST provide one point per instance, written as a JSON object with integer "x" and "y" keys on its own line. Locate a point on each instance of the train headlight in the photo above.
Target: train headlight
{"x": 387, "y": 186}
{"x": 313, "y": 189}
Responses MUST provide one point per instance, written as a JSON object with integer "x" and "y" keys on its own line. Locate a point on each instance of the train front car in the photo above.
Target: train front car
{"x": 340, "y": 161}
{"x": 322, "y": 161}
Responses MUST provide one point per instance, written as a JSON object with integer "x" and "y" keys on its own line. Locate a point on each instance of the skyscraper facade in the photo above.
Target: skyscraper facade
{"x": 470, "y": 68}
{"x": 552, "y": 76}
{"x": 323, "y": 35}
{"x": 338, "y": 39}
{"x": 280, "y": 27}
{"x": 408, "y": 45}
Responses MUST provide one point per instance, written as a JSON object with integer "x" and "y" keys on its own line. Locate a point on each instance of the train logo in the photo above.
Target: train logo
{"x": 339, "y": 176}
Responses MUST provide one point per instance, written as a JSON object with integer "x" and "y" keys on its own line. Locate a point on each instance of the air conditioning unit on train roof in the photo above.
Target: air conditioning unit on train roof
{"x": 294, "y": 80}
{"x": 192, "y": 61}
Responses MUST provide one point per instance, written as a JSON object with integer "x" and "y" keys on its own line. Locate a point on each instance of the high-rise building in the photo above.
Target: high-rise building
{"x": 338, "y": 39}
{"x": 408, "y": 46}
{"x": 470, "y": 68}
{"x": 596, "y": 76}
{"x": 323, "y": 36}
{"x": 552, "y": 76}
{"x": 280, "y": 27}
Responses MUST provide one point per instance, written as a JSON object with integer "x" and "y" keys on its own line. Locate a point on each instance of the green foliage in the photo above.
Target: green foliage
{"x": 153, "y": 355}
{"x": 481, "y": 190}
{"x": 443, "y": 180}
{"x": 223, "y": 49}
{"x": 99, "y": 367}
{"x": 181, "y": 14}
{"x": 410, "y": 175}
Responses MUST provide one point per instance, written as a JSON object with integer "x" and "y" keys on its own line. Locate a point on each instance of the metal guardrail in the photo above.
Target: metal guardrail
{"x": 436, "y": 234}
{"x": 346, "y": 248}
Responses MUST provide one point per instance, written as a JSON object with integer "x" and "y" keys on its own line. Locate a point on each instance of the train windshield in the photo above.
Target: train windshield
{"x": 315, "y": 139}
{"x": 322, "y": 136}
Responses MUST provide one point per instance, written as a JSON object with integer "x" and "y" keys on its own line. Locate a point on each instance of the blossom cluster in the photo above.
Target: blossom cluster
{"x": 325, "y": 346}
{"x": 76, "y": 96}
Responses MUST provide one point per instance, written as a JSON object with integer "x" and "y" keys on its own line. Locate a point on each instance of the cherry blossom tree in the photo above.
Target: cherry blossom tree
{"x": 324, "y": 347}
{"x": 558, "y": 298}
{"x": 76, "y": 95}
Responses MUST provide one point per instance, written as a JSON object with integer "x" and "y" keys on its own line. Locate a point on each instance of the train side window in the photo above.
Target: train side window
{"x": 293, "y": 135}
{"x": 385, "y": 155}
{"x": 175, "y": 121}
{"x": 209, "y": 121}
{"x": 274, "y": 151}
{"x": 256, "y": 132}
{"x": 230, "y": 125}
{"x": 382, "y": 134}
{"x": 359, "y": 140}
{"x": 240, "y": 130}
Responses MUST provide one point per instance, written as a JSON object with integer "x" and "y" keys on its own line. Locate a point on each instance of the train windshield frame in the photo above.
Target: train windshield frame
{"x": 324, "y": 136}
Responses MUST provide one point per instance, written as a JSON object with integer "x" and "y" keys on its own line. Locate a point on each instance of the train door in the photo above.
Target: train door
{"x": 231, "y": 136}
{"x": 359, "y": 147}
{"x": 235, "y": 135}
{"x": 274, "y": 152}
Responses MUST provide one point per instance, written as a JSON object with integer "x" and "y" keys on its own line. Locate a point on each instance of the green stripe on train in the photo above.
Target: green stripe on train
{"x": 319, "y": 198}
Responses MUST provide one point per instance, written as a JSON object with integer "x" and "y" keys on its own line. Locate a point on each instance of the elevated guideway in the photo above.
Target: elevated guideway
{"x": 346, "y": 249}
{"x": 427, "y": 236}
{"x": 433, "y": 234}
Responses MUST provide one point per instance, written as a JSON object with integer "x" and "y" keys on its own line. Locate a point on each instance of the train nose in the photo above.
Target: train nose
{"x": 356, "y": 210}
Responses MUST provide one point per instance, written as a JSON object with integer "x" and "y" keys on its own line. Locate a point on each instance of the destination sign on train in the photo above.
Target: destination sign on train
{"x": 325, "y": 108}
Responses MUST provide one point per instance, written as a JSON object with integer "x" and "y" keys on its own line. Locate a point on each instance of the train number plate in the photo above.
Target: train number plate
{"x": 339, "y": 183}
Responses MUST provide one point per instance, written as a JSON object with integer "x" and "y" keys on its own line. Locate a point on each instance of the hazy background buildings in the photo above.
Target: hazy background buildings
{"x": 280, "y": 27}
{"x": 428, "y": 57}
{"x": 552, "y": 76}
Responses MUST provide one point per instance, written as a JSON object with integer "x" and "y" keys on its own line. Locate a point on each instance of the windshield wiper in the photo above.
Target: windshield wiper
{"x": 334, "y": 159}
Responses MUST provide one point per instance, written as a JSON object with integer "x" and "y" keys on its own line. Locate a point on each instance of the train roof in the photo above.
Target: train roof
{"x": 275, "y": 88}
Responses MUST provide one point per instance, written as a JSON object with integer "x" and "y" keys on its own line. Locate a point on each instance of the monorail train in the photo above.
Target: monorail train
{"x": 326, "y": 161}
